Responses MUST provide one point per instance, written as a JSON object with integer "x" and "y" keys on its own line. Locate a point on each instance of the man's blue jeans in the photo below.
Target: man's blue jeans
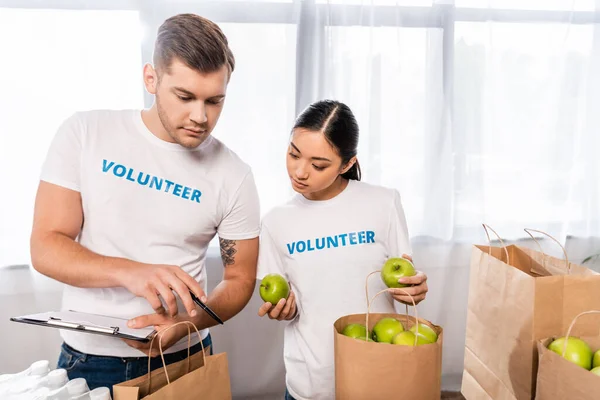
{"x": 107, "y": 371}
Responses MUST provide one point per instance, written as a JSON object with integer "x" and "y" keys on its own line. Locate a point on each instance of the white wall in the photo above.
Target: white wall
{"x": 249, "y": 340}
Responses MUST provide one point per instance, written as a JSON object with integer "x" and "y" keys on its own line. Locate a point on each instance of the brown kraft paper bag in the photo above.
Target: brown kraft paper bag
{"x": 381, "y": 371}
{"x": 200, "y": 376}
{"x": 518, "y": 296}
{"x": 561, "y": 379}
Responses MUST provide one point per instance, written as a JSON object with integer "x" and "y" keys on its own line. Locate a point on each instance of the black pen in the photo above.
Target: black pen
{"x": 206, "y": 308}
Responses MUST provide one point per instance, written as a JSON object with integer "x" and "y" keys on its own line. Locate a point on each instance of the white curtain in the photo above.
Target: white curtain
{"x": 525, "y": 122}
{"x": 53, "y": 63}
{"x": 479, "y": 111}
{"x": 476, "y": 111}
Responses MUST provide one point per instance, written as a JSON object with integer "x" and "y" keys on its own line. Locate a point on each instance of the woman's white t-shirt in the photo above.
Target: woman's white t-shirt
{"x": 326, "y": 249}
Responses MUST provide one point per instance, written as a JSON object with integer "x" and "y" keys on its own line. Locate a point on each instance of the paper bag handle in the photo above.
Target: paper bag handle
{"x": 162, "y": 356}
{"x": 567, "y": 264}
{"x": 367, "y": 285}
{"x": 369, "y": 302}
{"x": 573, "y": 324}
{"x": 414, "y": 305}
{"x": 486, "y": 227}
{"x": 367, "y": 289}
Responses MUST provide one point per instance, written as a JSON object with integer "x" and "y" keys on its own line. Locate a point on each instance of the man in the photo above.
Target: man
{"x": 129, "y": 201}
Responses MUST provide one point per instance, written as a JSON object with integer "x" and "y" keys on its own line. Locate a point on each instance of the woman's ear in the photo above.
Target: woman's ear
{"x": 348, "y": 165}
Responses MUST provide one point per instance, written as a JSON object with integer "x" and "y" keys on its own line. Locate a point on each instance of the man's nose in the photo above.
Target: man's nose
{"x": 199, "y": 114}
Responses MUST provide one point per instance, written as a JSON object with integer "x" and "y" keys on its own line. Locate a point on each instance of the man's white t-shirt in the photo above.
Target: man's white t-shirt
{"x": 146, "y": 200}
{"x": 326, "y": 249}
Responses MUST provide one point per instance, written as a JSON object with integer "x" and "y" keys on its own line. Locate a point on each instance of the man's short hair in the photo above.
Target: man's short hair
{"x": 196, "y": 41}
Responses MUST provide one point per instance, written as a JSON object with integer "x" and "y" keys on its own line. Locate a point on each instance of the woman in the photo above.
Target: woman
{"x": 326, "y": 240}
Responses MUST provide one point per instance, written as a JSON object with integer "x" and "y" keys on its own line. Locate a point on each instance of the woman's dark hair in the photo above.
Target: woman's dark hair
{"x": 339, "y": 127}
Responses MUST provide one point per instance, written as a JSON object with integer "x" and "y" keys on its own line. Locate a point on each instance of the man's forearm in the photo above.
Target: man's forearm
{"x": 226, "y": 300}
{"x": 61, "y": 258}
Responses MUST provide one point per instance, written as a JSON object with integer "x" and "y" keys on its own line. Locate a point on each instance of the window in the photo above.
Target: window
{"x": 260, "y": 106}
{"x": 394, "y": 106}
{"x": 456, "y": 99}
{"x": 520, "y": 105}
{"x": 542, "y": 5}
{"x": 61, "y": 61}
{"x": 421, "y": 3}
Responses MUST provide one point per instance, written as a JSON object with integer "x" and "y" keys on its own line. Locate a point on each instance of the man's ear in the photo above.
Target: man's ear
{"x": 348, "y": 165}
{"x": 150, "y": 78}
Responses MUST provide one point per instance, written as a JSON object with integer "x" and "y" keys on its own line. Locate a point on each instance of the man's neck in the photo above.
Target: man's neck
{"x": 152, "y": 121}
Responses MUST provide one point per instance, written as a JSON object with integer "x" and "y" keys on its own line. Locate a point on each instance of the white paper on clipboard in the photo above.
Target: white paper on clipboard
{"x": 88, "y": 323}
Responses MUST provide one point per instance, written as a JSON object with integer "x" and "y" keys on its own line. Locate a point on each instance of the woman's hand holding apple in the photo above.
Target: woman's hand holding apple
{"x": 285, "y": 309}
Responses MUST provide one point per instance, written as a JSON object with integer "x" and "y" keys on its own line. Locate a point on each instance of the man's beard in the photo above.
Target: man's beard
{"x": 164, "y": 120}
{"x": 162, "y": 116}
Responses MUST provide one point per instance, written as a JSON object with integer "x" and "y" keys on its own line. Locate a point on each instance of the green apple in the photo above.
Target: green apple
{"x": 578, "y": 351}
{"x": 385, "y": 330}
{"x": 426, "y": 331}
{"x": 407, "y": 338}
{"x": 273, "y": 288}
{"x": 596, "y": 359}
{"x": 356, "y": 331}
{"x": 394, "y": 269}
{"x": 596, "y": 371}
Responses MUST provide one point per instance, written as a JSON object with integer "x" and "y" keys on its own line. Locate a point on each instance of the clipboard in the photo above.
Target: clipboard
{"x": 87, "y": 323}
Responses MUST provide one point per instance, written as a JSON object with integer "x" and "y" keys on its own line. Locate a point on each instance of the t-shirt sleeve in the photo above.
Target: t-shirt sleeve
{"x": 398, "y": 240}
{"x": 269, "y": 258}
{"x": 62, "y": 165}
{"x": 242, "y": 217}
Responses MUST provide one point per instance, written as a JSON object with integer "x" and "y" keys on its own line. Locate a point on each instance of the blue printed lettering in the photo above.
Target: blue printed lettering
{"x": 322, "y": 245}
{"x": 120, "y": 168}
{"x": 145, "y": 181}
{"x": 177, "y": 190}
{"x": 343, "y": 237}
{"x": 370, "y": 237}
{"x": 196, "y": 195}
{"x": 129, "y": 177}
{"x": 302, "y": 248}
{"x": 291, "y": 247}
{"x": 156, "y": 182}
{"x": 361, "y": 237}
{"x": 105, "y": 166}
{"x": 352, "y": 237}
{"x": 332, "y": 241}
{"x": 169, "y": 184}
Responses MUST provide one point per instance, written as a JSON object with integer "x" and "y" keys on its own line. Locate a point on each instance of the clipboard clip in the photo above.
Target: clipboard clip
{"x": 113, "y": 330}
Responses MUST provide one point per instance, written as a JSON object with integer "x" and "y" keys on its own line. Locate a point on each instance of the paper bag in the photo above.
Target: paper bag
{"x": 561, "y": 379}
{"x": 382, "y": 371}
{"x": 200, "y": 376}
{"x": 518, "y": 296}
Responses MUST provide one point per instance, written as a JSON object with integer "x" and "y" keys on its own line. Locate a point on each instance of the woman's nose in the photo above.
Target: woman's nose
{"x": 301, "y": 173}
